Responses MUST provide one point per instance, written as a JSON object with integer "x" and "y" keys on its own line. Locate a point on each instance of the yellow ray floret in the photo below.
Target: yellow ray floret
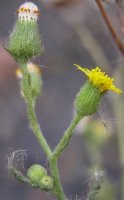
{"x": 100, "y": 79}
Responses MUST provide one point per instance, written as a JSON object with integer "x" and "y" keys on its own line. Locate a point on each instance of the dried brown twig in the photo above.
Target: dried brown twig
{"x": 110, "y": 27}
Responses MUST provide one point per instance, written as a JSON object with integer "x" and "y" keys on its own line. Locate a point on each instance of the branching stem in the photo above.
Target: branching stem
{"x": 52, "y": 156}
{"x": 31, "y": 113}
{"x": 55, "y": 156}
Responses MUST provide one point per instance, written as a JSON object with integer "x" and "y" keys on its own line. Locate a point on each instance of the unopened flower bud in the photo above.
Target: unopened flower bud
{"x": 35, "y": 173}
{"x": 24, "y": 42}
{"x": 46, "y": 183}
{"x": 35, "y": 80}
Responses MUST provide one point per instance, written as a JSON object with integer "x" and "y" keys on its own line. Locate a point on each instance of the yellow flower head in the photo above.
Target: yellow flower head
{"x": 100, "y": 79}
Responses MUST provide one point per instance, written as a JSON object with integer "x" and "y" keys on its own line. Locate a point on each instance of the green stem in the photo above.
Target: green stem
{"x": 53, "y": 157}
{"x": 58, "y": 191}
{"x": 19, "y": 176}
{"x": 31, "y": 112}
{"x": 66, "y": 138}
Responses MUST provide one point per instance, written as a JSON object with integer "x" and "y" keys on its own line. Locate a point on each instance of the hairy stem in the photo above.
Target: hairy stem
{"x": 66, "y": 138}
{"x": 19, "y": 176}
{"x": 58, "y": 190}
{"x": 52, "y": 156}
{"x": 31, "y": 112}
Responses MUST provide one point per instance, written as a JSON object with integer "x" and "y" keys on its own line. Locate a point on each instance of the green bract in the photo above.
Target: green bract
{"x": 24, "y": 42}
{"x": 87, "y": 100}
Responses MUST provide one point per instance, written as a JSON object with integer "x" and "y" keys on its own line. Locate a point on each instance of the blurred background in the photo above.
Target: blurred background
{"x": 73, "y": 31}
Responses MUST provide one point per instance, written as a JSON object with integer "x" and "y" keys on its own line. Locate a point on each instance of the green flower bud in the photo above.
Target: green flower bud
{"x": 35, "y": 80}
{"x": 35, "y": 173}
{"x": 46, "y": 183}
{"x": 87, "y": 100}
{"x": 24, "y": 42}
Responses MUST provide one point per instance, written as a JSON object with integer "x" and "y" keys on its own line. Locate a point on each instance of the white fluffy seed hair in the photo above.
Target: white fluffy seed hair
{"x": 28, "y": 12}
{"x": 16, "y": 157}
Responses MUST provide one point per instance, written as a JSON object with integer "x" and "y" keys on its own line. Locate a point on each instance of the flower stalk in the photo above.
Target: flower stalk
{"x": 58, "y": 190}
{"x": 31, "y": 112}
{"x": 66, "y": 138}
{"x": 56, "y": 155}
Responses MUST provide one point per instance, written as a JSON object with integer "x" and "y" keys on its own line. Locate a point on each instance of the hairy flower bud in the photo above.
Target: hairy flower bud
{"x": 35, "y": 80}
{"x": 46, "y": 183}
{"x": 35, "y": 173}
{"x": 24, "y": 42}
{"x": 87, "y": 100}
